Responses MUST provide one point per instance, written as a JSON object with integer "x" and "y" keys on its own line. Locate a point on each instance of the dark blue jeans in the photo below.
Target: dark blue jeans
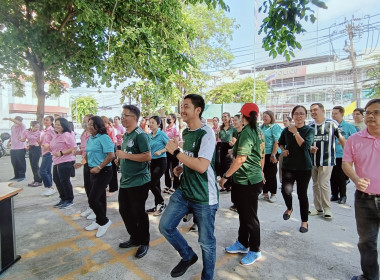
{"x": 34, "y": 158}
{"x": 61, "y": 177}
{"x": 45, "y": 170}
{"x": 177, "y": 208}
{"x": 367, "y": 214}
{"x": 18, "y": 162}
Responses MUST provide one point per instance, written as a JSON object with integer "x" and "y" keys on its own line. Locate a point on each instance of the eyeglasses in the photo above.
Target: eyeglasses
{"x": 124, "y": 116}
{"x": 299, "y": 114}
{"x": 375, "y": 113}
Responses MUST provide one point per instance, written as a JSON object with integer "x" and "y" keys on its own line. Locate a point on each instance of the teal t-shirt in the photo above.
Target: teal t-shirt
{"x": 197, "y": 187}
{"x": 158, "y": 142}
{"x": 348, "y": 130}
{"x": 272, "y": 133}
{"x": 134, "y": 173}
{"x": 249, "y": 143}
{"x": 97, "y": 148}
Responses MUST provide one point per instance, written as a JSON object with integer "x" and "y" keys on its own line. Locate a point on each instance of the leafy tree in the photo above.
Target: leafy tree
{"x": 375, "y": 75}
{"x": 82, "y": 106}
{"x": 283, "y": 22}
{"x": 205, "y": 42}
{"x": 92, "y": 42}
{"x": 240, "y": 91}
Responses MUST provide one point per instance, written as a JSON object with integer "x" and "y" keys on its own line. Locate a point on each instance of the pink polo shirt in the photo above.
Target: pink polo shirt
{"x": 120, "y": 133}
{"x": 33, "y": 137}
{"x": 17, "y": 131}
{"x": 46, "y": 136}
{"x": 83, "y": 142}
{"x": 364, "y": 150}
{"x": 172, "y": 132}
{"x": 63, "y": 142}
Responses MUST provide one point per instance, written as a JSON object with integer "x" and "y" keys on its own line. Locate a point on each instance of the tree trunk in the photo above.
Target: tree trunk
{"x": 39, "y": 77}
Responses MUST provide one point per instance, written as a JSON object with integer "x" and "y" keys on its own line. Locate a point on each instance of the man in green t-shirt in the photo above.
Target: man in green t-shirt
{"x": 134, "y": 183}
{"x": 197, "y": 192}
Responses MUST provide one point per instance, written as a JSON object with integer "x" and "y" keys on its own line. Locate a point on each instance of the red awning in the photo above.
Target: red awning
{"x": 28, "y": 109}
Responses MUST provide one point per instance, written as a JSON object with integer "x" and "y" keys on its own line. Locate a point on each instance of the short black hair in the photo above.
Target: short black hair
{"x": 320, "y": 105}
{"x": 197, "y": 101}
{"x": 360, "y": 110}
{"x": 117, "y": 117}
{"x": 296, "y": 107}
{"x": 65, "y": 124}
{"x": 98, "y": 124}
{"x": 133, "y": 109}
{"x": 372, "y": 101}
{"x": 340, "y": 108}
{"x": 158, "y": 121}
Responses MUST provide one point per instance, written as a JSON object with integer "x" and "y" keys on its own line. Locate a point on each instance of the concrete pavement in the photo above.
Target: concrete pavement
{"x": 54, "y": 245}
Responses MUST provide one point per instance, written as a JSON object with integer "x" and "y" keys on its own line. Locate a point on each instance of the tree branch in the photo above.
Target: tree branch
{"x": 68, "y": 16}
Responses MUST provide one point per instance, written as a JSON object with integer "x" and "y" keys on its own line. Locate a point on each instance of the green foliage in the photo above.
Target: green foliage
{"x": 82, "y": 106}
{"x": 205, "y": 43}
{"x": 283, "y": 22}
{"x": 92, "y": 42}
{"x": 375, "y": 75}
{"x": 240, "y": 91}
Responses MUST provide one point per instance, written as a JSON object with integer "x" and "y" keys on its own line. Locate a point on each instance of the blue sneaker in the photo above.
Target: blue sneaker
{"x": 20, "y": 179}
{"x": 59, "y": 204}
{"x": 236, "y": 248}
{"x": 250, "y": 258}
{"x": 13, "y": 179}
{"x": 66, "y": 205}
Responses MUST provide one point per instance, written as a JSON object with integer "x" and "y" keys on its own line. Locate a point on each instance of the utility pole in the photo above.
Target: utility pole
{"x": 350, "y": 29}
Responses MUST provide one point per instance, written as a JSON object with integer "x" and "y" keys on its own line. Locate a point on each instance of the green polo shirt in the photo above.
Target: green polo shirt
{"x": 249, "y": 144}
{"x": 134, "y": 173}
{"x": 226, "y": 135}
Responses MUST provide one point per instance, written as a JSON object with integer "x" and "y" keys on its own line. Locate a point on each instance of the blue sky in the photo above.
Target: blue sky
{"x": 329, "y": 30}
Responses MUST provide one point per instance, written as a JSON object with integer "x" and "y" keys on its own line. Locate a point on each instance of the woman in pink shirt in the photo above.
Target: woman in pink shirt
{"x": 62, "y": 147}
{"x": 33, "y": 135}
{"x": 47, "y": 161}
{"x": 113, "y": 185}
{"x": 172, "y": 162}
{"x": 120, "y": 132}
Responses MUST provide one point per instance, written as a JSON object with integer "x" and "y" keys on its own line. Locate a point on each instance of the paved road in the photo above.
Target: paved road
{"x": 54, "y": 245}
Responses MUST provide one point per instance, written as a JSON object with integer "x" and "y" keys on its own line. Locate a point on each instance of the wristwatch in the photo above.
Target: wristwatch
{"x": 176, "y": 152}
{"x": 225, "y": 177}
{"x": 273, "y": 155}
{"x": 99, "y": 167}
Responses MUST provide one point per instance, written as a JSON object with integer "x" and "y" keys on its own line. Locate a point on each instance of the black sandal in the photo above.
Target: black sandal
{"x": 286, "y": 216}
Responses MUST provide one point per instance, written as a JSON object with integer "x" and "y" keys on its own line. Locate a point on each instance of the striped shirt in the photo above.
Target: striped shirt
{"x": 324, "y": 139}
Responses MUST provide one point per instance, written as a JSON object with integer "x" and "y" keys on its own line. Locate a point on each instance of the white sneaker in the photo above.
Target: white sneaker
{"x": 49, "y": 192}
{"x": 103, "y": 229}
{"x": 92, "y": 216}
{"x": 93, "y": 226}
{"x": 85, "y": 213}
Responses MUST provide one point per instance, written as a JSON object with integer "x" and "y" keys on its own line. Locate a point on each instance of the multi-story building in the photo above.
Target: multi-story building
{"x": 26, "y": 106}
{"x": 323, "y": 79}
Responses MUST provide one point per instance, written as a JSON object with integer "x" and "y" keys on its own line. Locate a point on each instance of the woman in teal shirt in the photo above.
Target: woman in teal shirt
{"x": 272, "y": 132}
{"x": 157, "y": 141}
{"x": 99, "y": 154}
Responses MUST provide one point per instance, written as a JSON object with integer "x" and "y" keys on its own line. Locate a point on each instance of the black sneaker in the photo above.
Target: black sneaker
{"x": 151, "y": 210}
{"x": 182, "y": 266}
{"x": 160, "y": 208}
{"x": 59, "y": 204}
{"x": 67, "y": 204}
{"x": 187, "y": 217}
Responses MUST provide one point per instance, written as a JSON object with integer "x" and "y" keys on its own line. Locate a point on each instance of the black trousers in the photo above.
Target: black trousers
{"x": 225, "y": 157}
{"x": 61, "y": 178}
{"x": 245, "y": 197}
{"x": 97, "y": 198}
{"x": 302, "y": 177}
{"x": 217, "y": 159}
{"x": 157, "y": 169}
{"x": 86, "y": 179}
{"x": 338, "y": 180}
{"x": 18, "y": 162}
{"x": 132, "y": 210}
{"x": 34, "y": 158}
{"x": 270, "y": 172}
{"x": 172, "y": 162}
{"x": 113, "y": 184}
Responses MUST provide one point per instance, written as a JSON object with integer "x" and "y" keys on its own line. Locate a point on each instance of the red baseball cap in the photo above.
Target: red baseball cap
{"x": 248, "y": 108}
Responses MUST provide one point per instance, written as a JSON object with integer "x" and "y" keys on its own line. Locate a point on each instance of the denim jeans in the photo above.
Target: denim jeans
{"x": 367, "y": 214}
{"x": 177, "y": 208}
{"x": 45, "y": 170}
{"x": 34, "y": 158}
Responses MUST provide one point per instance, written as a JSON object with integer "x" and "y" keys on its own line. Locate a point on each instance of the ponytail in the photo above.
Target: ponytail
{"x": 252, "y": 120}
